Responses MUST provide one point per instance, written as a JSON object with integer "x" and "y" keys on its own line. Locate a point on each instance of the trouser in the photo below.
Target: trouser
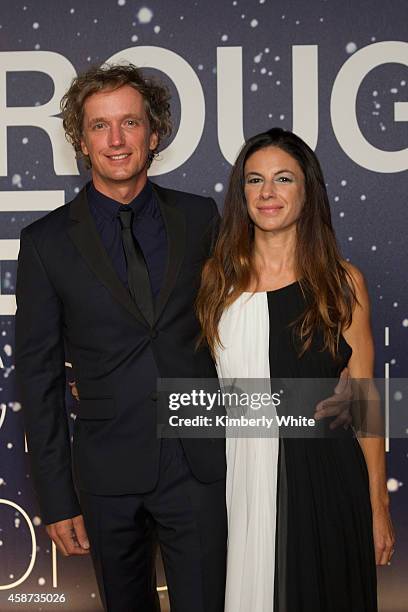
{"x": 187, "y": 517}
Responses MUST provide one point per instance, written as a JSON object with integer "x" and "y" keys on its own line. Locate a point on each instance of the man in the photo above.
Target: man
{"x": 113, "y": 276}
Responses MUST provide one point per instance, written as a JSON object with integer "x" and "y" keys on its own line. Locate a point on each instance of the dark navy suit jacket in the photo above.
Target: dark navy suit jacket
{"x": 68, "y": 292}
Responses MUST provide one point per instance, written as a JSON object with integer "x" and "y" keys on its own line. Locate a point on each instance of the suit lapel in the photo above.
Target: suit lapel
{"x": 175, "y": 224}
{"x": 84, "y": 235}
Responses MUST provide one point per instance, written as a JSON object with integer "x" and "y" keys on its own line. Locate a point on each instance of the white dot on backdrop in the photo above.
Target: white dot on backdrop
{"x": 16, "y": 180}
{"x": 72, "y": 11}
{"x": 93, "y": 595}
{"x": 375, "y": 93}
{"x": 24, "y": 140}
{"x": 341, "y": 214}
{"x": 145, "y": 15}
{"x": 36, "y": 25}
{"x": 2, "y": 482}
{"x": 41, "y": 581}
{"x": 156, "y": 29}
{"x": 278, "y": 82}
{"x": 351, "y": 47}
{"x": 403, "y": 83}
{"x": 373, "y": 248}
{"x": 393, "y": 361}
{"x": 350, "y": 238}
{"x": 254, "y": 23}
{"x": 263, "y": 70}
{"x": 121, "y": 2}
{"x": 200, "y": 67}
{"x": 76, "y": 190}
{"x": 393, "y": 485}
{"x": 343, "y": 183}
{"x": 393, "y": 90}
{"x": 15, "y": 406}
{"x": 395, "y": 304}
{"x": 281, "y": 117}
{"x": 254, "y": 87}
{"x": 134, "y": 38}
{"x": 398, "y": 396}
{"x": 405, "y": 323}
{"x": 36, "y": 521}
{"x": 218, "y": 187}
{"x": 258, "y": 58}
{"x": 363, "y": 197}
{"x": 336, "y": 198}
{"x": 224, "y": 37}
{"x": 8, "y": 350}
{"x": 267, "y": 49}
{"x": 1, "y": 542}
{"x": 277, "y": 58}
{"x": 9, "y": 445}
{"x": 37, "y": 46}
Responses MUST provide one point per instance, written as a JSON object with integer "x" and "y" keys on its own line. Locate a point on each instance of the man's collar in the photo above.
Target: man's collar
{"x": 109, "y": 208}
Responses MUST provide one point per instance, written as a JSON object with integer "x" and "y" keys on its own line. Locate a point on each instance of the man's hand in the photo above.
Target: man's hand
{"x": 69, "y": 536}
{"x": 338, "y": 405}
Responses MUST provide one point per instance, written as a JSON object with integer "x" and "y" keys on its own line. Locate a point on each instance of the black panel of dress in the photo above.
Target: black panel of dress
{"x": 325, "y": 558}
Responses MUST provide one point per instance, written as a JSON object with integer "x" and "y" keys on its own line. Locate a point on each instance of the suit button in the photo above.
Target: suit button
{"x": 154, "y": 333}
{"x": 153, "y": 396}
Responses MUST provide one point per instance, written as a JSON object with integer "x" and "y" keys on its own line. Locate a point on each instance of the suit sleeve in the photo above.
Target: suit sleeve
{"x": 41, "y": 377}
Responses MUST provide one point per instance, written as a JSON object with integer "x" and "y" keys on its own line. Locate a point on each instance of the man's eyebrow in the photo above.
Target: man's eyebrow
{"x": 92, "y": 121}
{"x": 96, "y": 120}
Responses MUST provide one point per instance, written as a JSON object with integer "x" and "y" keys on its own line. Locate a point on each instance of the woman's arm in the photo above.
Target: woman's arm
{"x": 361, "y": 365}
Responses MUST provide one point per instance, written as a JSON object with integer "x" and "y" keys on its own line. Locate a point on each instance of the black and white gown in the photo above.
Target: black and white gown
{"x": 299, "y": 514}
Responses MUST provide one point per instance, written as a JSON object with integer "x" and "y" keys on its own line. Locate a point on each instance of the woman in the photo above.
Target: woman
{"x": 308, "y": 518}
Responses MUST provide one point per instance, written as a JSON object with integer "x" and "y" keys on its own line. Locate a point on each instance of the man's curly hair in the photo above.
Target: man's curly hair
{"x": 112, "y": 76}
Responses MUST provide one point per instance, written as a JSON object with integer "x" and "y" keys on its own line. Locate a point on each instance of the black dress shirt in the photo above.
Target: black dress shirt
{"x": 148, "y": 229}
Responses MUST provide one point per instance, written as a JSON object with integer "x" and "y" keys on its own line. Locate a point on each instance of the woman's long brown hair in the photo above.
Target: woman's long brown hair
{"x": 322, "y": 274}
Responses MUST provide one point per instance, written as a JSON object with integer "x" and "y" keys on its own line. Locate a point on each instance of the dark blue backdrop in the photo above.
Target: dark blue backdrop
{"x": 335, "y": 71}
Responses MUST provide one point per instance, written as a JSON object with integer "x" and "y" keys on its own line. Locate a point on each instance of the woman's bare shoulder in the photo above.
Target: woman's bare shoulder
{"x": 357, "y": 280}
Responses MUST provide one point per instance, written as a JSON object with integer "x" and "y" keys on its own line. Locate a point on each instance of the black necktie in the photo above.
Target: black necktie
{"x": 137, "y": 273}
